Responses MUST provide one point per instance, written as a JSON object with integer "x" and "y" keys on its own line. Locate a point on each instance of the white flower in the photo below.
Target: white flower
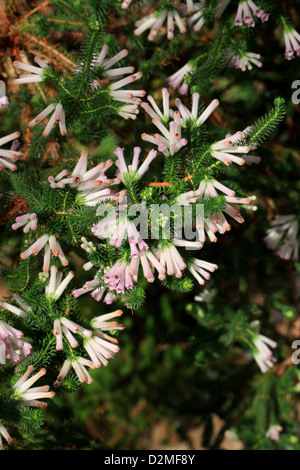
{"x": 21, "y": 311}
{"x": 106, "y": 64}
{"x": 217, "y": 222}
{"x": 262, "y": 353}
{"x": 243, "y": 61}
{"x": 100, "y": 324}
{"x": 169, "y": 141}
{"x": 274, "y": 431}
{"x": 29, "y": 220}
{"x": 283, "y": 237}
{"x": 134, "y": 167}
{"x": 186, "y": 114}
{"x": 155, "y": 21}
{"x": 245, "y": 12}
{"x": 92, "y": 185}
{"x": 225, "y": 151}
{"x": 196, "y": 19}
{"x": 205, "y": 296}
{"x": 7, "y": 157}
{"x": 4, "y": 433}
{"x": 51, "y": 244}
{"x": 292, "y": 42}
{"x": 56, "y": 285}
{"x": 201, "y": 269}
{"x": 79, "y": 365}
{"x": 28, "y": 395}
{"x": 131, "y": 98}
{"x": 58, "y": 116}
{"x": 176, "y": 81}
{"x": 154, "y": 111}
{"x": 12, "y": 347}
{"x": 89, "y": 247}
{"x": 35, "y": 75}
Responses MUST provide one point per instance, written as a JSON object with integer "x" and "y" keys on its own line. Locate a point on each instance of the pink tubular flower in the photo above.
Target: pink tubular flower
{"x": 176, "y": 81}
{"x": 12, "y": 347}
{"x": 283, "y": 237}
{"x": 132, "y": 97}
{"x": 292, "y": 42}
{"x": 7, "y": 157}
{"x": 97, "y": 291}
{"x": 262, "y": 353}
{"x": 244, "y": 61}
{"x": 51, "y": 244}
{"x": 118, "y": 278}
{"x": 58, "y": 116}
{"x": 79, "y": 365}
{"x": 28, "y": 395}
{"x": 245, "y": 12}
{"x": 217, "y": 222}
{"x": 4, "y": 433}
{"x": 99, "y": 346}
{"x": 169, "y": 141}
{"x": 29, "y": 220}
{"x": 201, "y": 270}
{"x": 170, "y": 260}
{"x": 226, "y": 151}
{"x": 64, "y": 327}
{"x": 154, "y": 111}
{"x": 92, "y": 185}
{"x": 102, "y": 347}
{"x": 196, "y": 10}
{"x": 60, "y": 180}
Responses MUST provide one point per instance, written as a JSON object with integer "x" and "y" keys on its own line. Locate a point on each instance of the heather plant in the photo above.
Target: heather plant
{"x": 149, "y": 172}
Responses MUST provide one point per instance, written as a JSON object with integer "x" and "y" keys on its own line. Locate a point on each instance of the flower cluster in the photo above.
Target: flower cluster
{"x": 262, "y": 353}
{"x": 244, "y": 61}
{"x": 134, "y": 255}
{"x": 245, "y": 12}
{"x": 99, "y": 346}
{"x": 112, "y": 78}
{"x": 283, "y": 237}
{"x": 292, "y": 42}
{"x": 7, "y": 157}
{"x": 50, "y": 245}
{"x": 12, "y": 347}
{"x": 28, "y": 395}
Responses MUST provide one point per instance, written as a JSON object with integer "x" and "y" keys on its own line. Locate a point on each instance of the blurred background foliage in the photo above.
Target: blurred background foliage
{"x": 182, "y": 380}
